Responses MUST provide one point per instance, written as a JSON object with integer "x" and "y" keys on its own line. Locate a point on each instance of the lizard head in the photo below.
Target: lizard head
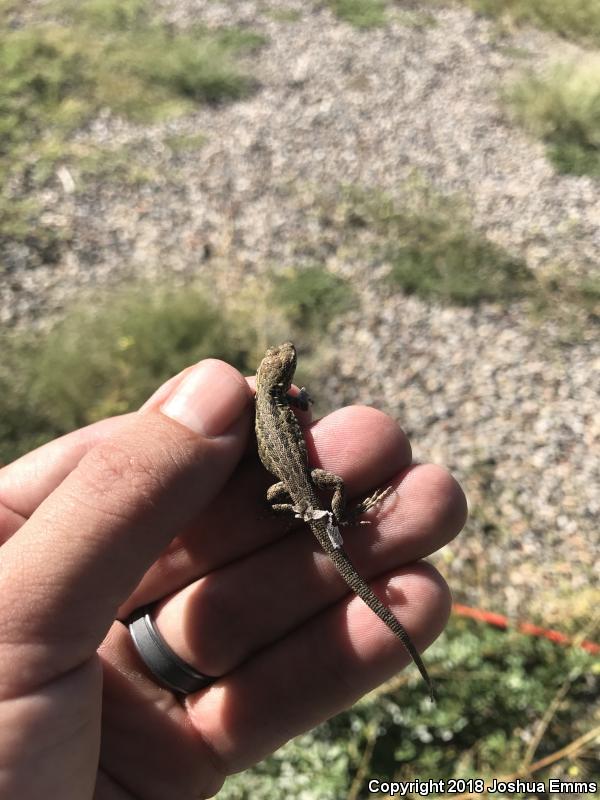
{"x": 278, "y": 365}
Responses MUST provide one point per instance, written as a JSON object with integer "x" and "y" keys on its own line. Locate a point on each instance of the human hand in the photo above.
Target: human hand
{"x": 168, "y": 506}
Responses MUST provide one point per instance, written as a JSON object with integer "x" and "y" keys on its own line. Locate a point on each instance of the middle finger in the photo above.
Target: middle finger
{"x": 362, "y": 445}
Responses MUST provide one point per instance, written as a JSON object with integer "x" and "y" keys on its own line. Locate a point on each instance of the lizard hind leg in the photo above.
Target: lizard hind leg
{"x": 329, "y": 482}
{"x": 279, "y": 499}
{"x": 345, "y": 516}
{"x": 280, "y": 502}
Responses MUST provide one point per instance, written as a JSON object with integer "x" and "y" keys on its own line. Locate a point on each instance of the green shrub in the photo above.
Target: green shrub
{"x": 433, "y": 250}
{"x": 494, "y": 688}
{"x": 563, "y": 109}
{"x": 438, "y": 259}
{"x": 185, "y": 142}
{"x": 74, "y": 59}
{"x": 310, "y": 297}
{"x": 111, "y": 352}
{"x": 360, "y": 13}
{"x": 573, "y": 19}
{"x": 283, "y": 14}
{"x": 106, "y": 359}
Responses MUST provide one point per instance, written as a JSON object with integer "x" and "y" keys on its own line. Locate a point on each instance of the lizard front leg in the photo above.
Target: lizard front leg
{"x": 302, "y": 400}
{"x": 331, "y": 482}
{"x": 278, "y": 492}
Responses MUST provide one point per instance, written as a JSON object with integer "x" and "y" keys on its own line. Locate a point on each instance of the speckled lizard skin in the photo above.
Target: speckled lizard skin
{"x": 282, "y": 450}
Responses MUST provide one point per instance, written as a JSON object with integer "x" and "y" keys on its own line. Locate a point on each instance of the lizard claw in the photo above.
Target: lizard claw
{"x": 370, "y": 502}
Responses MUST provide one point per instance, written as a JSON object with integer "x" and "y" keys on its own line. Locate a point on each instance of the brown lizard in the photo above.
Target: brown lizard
{"x": 282, "y": 450}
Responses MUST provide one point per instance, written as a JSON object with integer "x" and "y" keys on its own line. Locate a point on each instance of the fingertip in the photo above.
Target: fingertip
{"x": 431, "y": 598}
{"x": 364, "y": 445}
{"x": 158, "y": 397}
{"x": 433, "y": 503}
{"x": 209, "y": 398}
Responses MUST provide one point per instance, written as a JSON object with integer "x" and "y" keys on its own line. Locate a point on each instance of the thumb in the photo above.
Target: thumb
{"x": 85, "y": 548}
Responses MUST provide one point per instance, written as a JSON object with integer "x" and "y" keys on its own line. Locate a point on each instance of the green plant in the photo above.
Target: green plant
{"x": 311, "y": 296}
{"x": 563, "y": 109}
{"x": 106, "y": 15}
{"x": 120, "y": 165}
{"x": 495, "y": 689}
{"x": 72, "y": 60}
{"x": 440, "y": 261}
{"x": 575, "y": 19}
{"x": 360, "y": 13}
{"x": 416, "y": 18}
{"x": 433, "y": 250}
{"x": 283, "y": 14}
{"x": 185, "y": 142}
{"x": 105, "y": 359}
{"x": 107, "y": 356}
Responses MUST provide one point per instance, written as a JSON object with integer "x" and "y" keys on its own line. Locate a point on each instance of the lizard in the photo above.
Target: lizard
{"x": 282, "y": 451}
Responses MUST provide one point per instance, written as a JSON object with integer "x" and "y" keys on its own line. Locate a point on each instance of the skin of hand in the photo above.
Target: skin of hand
{"x": 167, "y": 505}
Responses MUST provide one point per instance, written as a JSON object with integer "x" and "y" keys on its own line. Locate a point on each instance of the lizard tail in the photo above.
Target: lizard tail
{"x": 346, "y": 569}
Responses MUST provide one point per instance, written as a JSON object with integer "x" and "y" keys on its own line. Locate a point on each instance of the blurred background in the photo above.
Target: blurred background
{"x": 409, "y": 191}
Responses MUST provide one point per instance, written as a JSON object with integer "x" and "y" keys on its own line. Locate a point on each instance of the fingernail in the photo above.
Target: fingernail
{"x": 209, "y": 399}
{"x": 164, "y": 391}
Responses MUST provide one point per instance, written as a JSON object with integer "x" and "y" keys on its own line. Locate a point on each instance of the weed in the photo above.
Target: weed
{"x": 576, "y": 19}
{"x": 76, "y": 58}
{"x": 310, "y": 297}
{"x": 108, "y": 356}
{"x": 433, "y": 250}
{"x": 283, "y": 14}
{"x": 563, "y": 109}
{"x": 105, "y": 359}
{"x": 416, "y": 18}
{"x": 362, "y": 14}
{"x": 185, "y": 142}
{"x": 494, "y": 689}
{"x": 120, "y": 165}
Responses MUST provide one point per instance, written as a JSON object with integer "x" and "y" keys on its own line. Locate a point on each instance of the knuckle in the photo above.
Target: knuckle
{"x": 448, "y": 501}
{"x": 115, "y": 477}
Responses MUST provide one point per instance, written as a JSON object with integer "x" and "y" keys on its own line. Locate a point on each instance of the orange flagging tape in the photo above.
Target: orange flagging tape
{"x": 500, "y": 621}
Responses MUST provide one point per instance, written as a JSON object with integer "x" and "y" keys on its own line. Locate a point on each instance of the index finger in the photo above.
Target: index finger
{"x": 67, "y": 569}
{"x": 26, "y": 482}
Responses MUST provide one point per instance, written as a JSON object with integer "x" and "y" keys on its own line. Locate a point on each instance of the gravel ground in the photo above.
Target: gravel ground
{"x": 490, "y": 392}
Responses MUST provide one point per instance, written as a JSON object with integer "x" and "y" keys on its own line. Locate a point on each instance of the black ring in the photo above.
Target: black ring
{"x": 166, "y": 666}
